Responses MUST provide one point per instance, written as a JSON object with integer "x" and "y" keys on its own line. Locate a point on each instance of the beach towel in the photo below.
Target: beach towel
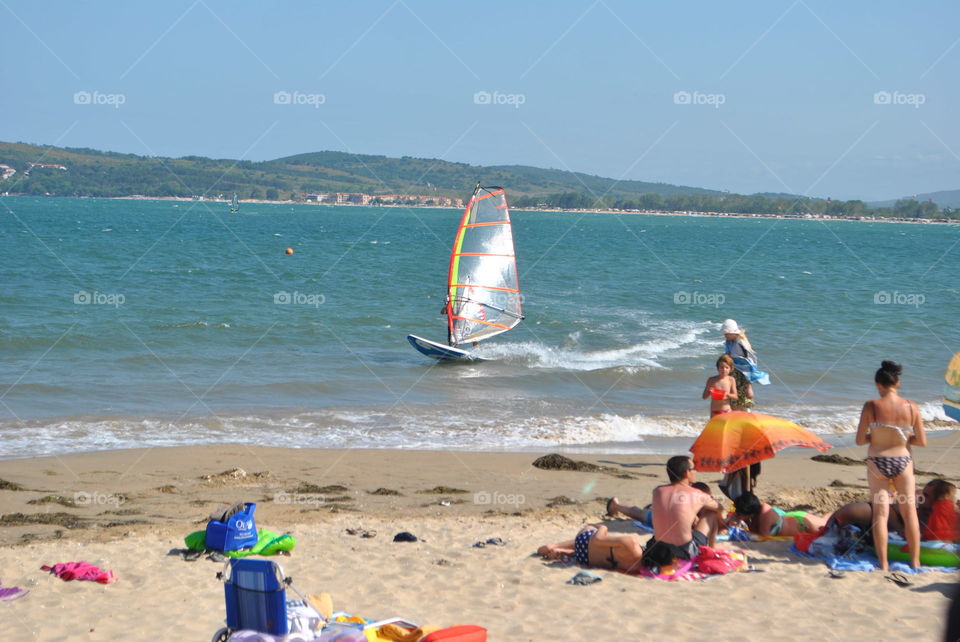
{"x": 708, "y": 563}
{"x": 10, "y": 593}
{"x": 822, "y": 549}
{"x": 750, "y": 371}
{"x": 68, "y": 571}
{"x": 733, "y": 534}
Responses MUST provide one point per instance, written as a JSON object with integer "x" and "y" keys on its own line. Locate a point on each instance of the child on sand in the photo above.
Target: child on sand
{"x": 721, "y": 389}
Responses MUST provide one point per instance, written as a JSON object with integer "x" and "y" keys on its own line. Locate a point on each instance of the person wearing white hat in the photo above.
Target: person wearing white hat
{"x": 738, "y": 346}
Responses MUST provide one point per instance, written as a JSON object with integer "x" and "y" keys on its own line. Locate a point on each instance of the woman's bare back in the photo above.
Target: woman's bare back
{"x": 892, "y": 424}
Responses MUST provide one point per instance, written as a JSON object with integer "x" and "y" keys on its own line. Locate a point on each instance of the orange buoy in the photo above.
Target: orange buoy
{"x": 289, "y": 250}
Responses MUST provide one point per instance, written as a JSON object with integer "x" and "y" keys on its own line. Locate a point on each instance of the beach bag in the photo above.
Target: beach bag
{"x": 715, "y": 562}
{"x": 463, "y": 633}
{"x": 237, "y": 530}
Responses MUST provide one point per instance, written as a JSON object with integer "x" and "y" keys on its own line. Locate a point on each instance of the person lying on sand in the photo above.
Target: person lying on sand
{"x": 680, "y": 523}
{"x": 860, "y": 514}
{"x": 594, "y": 546}
{"x": 763, "y": 519}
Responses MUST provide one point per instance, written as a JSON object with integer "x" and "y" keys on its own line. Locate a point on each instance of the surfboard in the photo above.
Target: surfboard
{"x": 951, "y": 391}
{"x": 440, "y": 351}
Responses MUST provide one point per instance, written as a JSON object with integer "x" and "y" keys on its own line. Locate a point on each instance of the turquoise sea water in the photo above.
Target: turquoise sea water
{"x": 125, "y": 323}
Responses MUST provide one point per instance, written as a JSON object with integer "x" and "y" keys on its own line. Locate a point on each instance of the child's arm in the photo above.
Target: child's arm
{"x": 732, "y": 394}
{"x": 706, "y": 388}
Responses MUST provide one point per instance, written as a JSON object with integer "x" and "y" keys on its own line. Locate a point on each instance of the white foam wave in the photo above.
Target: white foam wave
{"x": 421, "y": 428}
{"x": 670, "y": 340}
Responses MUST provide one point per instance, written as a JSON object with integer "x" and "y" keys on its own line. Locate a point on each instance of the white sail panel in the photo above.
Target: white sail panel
{"x": 483, "y": 286}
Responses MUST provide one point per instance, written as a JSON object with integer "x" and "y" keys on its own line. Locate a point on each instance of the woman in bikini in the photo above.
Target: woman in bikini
{"x": 763, "y": 519}
{"x": 594, "y": 546}
{"x": 891, "y": 425}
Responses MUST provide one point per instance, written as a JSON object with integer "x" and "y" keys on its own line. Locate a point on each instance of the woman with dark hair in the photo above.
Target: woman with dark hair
{"x": 891, "y": 425}
{"x": 769, "y": 521}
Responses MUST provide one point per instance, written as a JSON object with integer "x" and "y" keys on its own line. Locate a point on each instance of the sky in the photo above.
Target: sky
{"x": 844, "y": 100}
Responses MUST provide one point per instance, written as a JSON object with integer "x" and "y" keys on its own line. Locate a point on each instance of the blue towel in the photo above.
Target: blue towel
{"x": 646, "y": 528}
{"x": 865, "y": 562}
{"x": 751, "y": 372}
{"x": 733, "y": 533}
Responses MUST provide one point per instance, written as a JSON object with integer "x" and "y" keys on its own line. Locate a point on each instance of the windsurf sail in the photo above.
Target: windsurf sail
{"x": 951, "y": 391}
{"x": 234, "y": 204}
{"x": 483, "y": 289}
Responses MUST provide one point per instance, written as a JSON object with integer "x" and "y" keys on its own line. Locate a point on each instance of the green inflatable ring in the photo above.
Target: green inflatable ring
{"x": 945, "y": 554}
{"x": 268, "y": 543}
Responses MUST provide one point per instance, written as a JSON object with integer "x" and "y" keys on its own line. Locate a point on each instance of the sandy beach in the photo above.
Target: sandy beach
{"x": 125, "y": 510}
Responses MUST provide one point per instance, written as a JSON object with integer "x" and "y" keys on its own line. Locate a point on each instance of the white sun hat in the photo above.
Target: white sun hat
{"x": 730, "y": 327}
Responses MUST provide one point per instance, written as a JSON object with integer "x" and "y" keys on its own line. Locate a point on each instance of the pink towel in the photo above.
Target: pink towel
{"x": 80, "y": 571}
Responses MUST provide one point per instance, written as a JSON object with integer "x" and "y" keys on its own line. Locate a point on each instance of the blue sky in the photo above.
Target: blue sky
{"x": 847, "y": 100}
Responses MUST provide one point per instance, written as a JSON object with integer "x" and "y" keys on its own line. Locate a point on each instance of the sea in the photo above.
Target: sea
{"x": 132, "y": 323}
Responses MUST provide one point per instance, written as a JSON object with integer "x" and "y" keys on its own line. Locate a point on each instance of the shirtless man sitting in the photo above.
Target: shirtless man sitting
{"x": 680, "y": 523}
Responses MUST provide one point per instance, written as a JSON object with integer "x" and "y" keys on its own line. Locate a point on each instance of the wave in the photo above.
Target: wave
{"x": 416, "y": 427}
{"x": 671, "y": 340}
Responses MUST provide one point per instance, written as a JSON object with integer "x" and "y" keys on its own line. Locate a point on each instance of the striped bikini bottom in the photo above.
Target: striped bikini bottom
{"x": 891, "y": 467}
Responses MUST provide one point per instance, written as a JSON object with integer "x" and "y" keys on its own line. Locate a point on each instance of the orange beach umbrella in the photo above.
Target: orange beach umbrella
{"x": 736, "y": 439}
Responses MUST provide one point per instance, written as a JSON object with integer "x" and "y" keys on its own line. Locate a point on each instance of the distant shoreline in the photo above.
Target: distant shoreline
{"x": 796, "y": 217}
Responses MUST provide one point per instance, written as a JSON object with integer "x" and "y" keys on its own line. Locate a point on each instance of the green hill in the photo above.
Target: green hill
{"x": 95, "y": 173}
{"x": 945, "y": 198}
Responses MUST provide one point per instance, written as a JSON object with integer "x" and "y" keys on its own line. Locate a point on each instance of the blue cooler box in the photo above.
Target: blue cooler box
{"x": 239, "y": 531}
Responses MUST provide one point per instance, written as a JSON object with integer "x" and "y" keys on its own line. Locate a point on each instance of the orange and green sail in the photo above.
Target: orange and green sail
{"x": 483, "y": 288}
